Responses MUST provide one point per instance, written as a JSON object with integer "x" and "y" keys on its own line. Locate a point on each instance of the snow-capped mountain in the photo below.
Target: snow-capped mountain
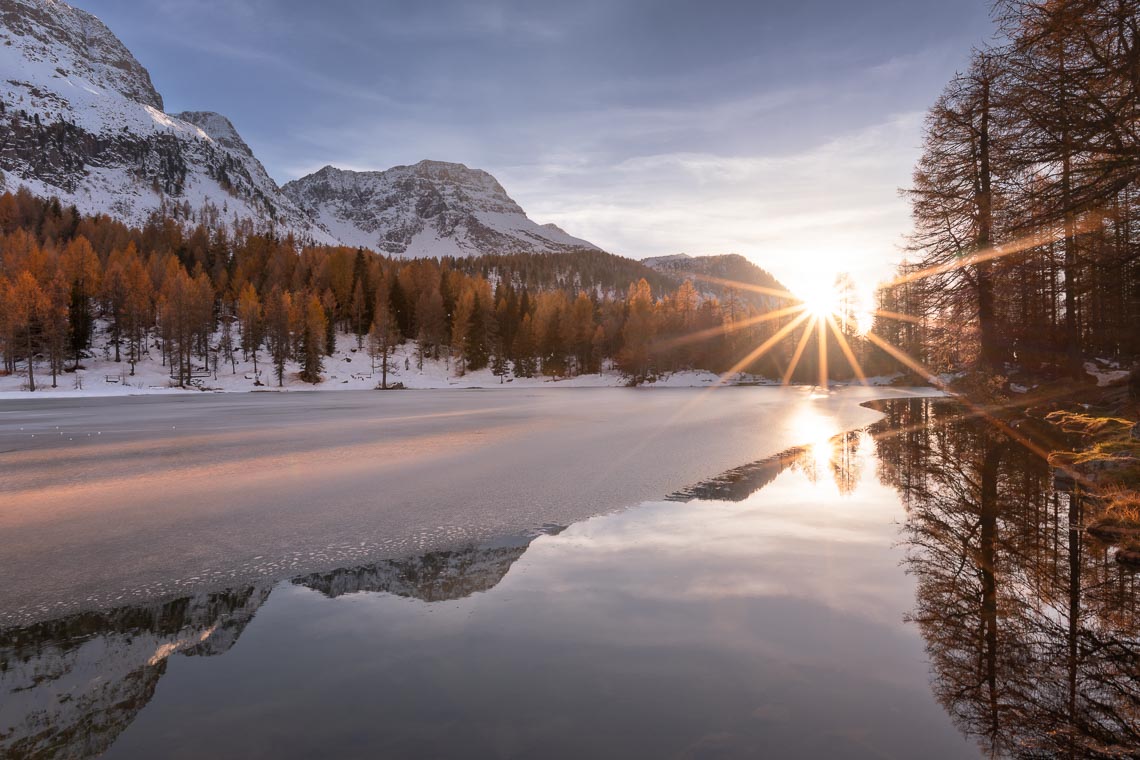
{"x": 430, "y": 209}
{"x": 81, "y": 120}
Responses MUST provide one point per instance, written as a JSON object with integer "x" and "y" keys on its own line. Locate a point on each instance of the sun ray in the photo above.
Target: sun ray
{"x": 778, "y": 293}
{"x": 822, "y": 352}
{"x": 1034, "y": 240}
{"x": 896, "y": 315}
{"x": 1000, "y": 425}
{"x": 755, "y": 354}
{"x": 845, "y": 347}
{"x": 909, "y": 317}
{"x": 962, "y": 415}
{"x": 712, "y": 332}
{"x": 798, "y": 353}
{"x": 762, "y": 349}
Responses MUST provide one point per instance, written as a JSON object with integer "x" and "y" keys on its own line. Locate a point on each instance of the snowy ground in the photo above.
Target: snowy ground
{"x": 349, "y": 368}
{"x": 1106, "y": 372}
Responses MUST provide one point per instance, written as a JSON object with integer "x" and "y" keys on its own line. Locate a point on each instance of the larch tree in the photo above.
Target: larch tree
{"x": 580, "y": 328}
{"x": 250, "y": 318}
{"x": 279, "y": 320}
{"x": 83, "y": 271}
{"x": 139, "y": 307}
{"x": 55, "y": 323}
{"x": 312, "y": 340}
{"x": 177, "y": 306}
{"x": 115, "y": 295}
{"x": 638, "y": 332}
{"x": 385, "y": 333}
{"x": 953, "y": 200}
{"x": 26, "y": 304}
{"x": 431, "y": 324}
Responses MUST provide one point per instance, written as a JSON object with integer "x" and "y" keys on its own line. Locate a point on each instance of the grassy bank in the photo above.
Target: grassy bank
{"x": 1096, "y": 447}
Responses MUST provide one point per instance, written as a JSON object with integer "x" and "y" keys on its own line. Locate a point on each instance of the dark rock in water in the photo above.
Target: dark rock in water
{"x": 740, "y": 483}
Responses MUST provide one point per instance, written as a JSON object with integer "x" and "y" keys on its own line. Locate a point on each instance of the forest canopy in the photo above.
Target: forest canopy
{"x": 195, "y": 298}
{"x": 1025, "y": 199}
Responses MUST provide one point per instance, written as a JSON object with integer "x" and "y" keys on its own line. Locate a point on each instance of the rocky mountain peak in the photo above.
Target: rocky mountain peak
{"x": 430, "y": 208}
{"x": 217, "y": 128}
{"x": 84, "y": 123}
{"x": 77, "y": 44}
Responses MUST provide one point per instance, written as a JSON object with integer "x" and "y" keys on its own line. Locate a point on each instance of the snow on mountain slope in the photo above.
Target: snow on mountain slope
{"x": 76, "y": 46}
{"x": 433, "y": 208}
{"x": 81, "y": 120}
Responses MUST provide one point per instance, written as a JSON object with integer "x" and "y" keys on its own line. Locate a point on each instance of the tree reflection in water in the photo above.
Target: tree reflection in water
{"x": 1031, "y": 628}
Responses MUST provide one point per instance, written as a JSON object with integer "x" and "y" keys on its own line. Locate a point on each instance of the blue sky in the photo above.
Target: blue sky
{"x": 780, "y": 130}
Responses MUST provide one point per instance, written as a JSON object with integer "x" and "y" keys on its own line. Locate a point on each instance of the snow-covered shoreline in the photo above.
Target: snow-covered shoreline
{"x": 348, "y": 368}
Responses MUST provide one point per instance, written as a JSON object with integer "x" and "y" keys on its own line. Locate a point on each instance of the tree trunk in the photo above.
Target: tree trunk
{"x": 987, "y": 317}
{"x": 987, "y": 556}
{"x": 31, "y": 372}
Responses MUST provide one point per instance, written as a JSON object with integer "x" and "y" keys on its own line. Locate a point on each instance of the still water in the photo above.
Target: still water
{"x": 914, "y": 589}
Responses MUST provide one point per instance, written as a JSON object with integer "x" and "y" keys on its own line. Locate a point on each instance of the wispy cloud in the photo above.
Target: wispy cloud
{"x": 647, "y": 127}
{"x": 833, "y": 207}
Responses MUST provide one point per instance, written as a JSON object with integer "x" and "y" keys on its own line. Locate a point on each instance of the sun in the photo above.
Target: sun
{"x": 821, "y": 301}
{"x": 846, "y": 308}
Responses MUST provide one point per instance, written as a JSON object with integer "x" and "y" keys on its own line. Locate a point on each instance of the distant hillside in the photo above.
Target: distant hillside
{"x": 710, "y": 274}
{"x": 586, "y": 269}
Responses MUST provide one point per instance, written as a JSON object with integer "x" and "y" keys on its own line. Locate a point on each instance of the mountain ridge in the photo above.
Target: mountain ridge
{"x": 724, "y": 275}
{"x": 81, "y": 120}
{"x": 430, "y": 208}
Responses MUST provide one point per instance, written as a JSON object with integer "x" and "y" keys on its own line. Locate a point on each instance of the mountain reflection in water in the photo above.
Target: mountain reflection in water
{"x": 69, "y": 687}
{"x": 720, "y": 622}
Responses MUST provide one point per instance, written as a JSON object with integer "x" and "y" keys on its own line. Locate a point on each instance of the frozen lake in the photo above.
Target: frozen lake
{"x": 912, "y": 588}
{"x": 108, "y": 499}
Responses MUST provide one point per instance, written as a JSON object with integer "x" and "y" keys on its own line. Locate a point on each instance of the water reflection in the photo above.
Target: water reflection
{"x": 433, "y": 577}
{"x": 1031, "y": 628}
{"x": 673, "y": 629}
{"x": 834, "y": 457}
{"x": 69, "y": 687}
{"x": 725, "y": 621}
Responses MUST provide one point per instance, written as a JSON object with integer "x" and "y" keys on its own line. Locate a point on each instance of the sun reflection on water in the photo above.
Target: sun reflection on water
{"x": 813, "y": 431}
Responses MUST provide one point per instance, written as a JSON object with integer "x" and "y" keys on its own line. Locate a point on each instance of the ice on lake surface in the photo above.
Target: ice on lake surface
{"x": 143, "y": 497}
{"x": 911, "y": 589}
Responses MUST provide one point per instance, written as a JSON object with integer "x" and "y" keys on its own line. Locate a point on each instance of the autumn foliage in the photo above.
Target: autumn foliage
{"x": 194, "y": 299}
